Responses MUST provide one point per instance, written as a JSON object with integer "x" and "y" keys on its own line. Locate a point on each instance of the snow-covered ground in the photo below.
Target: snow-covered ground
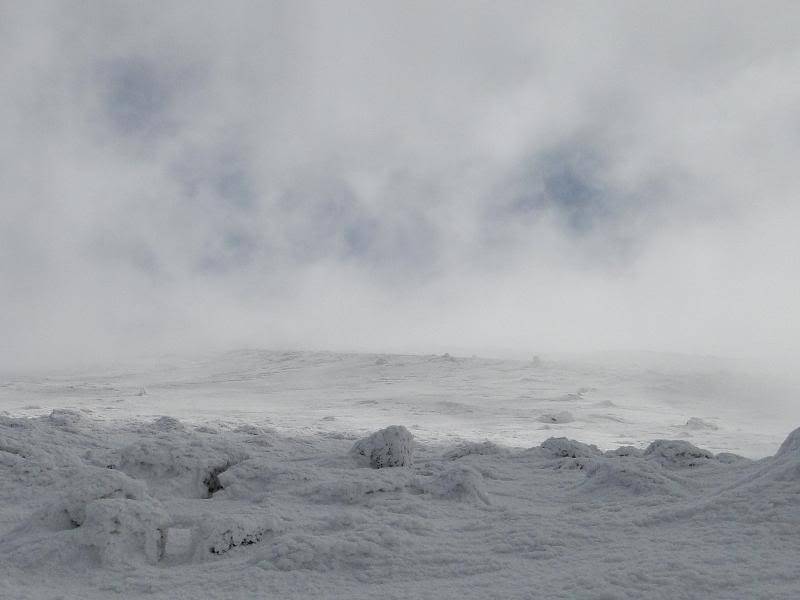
{"x": 235, "y": 476}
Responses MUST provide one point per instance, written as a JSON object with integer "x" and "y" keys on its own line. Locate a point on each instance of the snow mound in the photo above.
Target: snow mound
{"x": 791, "y": 445}
{"x": 560, "y": 417}
{"x": 479, "y": 448}
{"x": 125, "y": 531}
{"x": 64, "y": 417}
{"x": 168, "y": 424}
{"x": 631, "y": 476}
{"x": 343, "y": 486}
{"x": 389, "y": 447}
{"x": 730, "y": 458}
{"x": 250, "y": 429}
{"x": 677, "y": 453}
{"x": 698, "y": 424}
{"x": 175, "y": 468}
{"x": 457, "y": 482}
{"x": 221, "y": 534}
{"x": 85, "y": 486}
{"x": 624, "y": 451}
{"x": 562, "y": 447}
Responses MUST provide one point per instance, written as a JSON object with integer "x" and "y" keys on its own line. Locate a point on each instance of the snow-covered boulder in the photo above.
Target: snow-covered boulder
{"x": 389, "y": 447}
{"x": 677, "y": 453}
{"x": 562, "y": 447}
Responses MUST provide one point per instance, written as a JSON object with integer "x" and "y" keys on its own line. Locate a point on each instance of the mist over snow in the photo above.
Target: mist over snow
{"x": 416, "y": 177}
{"x": 399, "y": 300}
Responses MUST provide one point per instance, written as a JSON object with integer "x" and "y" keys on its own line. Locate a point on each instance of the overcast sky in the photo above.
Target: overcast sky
{"x": 494, "y": 177}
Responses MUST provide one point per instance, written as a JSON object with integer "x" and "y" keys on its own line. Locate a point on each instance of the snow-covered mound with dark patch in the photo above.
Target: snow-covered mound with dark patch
{"x": 389, "y": 447}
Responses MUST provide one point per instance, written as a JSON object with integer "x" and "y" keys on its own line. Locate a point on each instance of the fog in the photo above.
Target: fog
{"x": 489, "y": 178}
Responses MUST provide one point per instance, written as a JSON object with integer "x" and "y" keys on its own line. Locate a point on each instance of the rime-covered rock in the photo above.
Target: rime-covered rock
{"x": 562, "y": 447}
{"x": 389, "y": 447}
{"x": 624, "y": 451}
{"x": 677, "y": 453}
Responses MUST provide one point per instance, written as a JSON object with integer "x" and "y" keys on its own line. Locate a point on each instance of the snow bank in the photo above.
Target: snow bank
{"x": 389, "y": 447}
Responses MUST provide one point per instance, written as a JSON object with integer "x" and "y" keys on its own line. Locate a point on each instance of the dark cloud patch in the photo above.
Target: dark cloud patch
{"x": 324, "y": 218}
{"x": 219, "y": 174}
{"x": 140, "y": 97}
{"x": 566, "y": 181}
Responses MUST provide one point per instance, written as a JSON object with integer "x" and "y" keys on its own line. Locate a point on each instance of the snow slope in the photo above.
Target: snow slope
{"x": 242, "y": 476}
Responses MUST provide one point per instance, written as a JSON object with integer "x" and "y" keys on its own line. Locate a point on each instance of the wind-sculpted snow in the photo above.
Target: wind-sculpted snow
{"x": 168, "y": 510}
{"x": 482, "y": 448}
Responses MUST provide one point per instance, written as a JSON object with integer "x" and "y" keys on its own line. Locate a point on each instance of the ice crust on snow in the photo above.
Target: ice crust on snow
{"x": 389, "y": 447}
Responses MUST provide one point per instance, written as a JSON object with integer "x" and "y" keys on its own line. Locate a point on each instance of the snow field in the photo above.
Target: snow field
{"x": 187, "y": 511}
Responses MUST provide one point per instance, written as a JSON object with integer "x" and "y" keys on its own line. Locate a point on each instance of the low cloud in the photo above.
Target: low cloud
{"x": 510, "y": 178}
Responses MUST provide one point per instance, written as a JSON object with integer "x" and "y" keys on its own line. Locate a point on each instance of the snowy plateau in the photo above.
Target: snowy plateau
{"x": 256, "y": 474}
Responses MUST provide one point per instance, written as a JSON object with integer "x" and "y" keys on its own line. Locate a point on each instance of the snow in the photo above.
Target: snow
{"x": 389, "y": 447}
{"x": 210, "y": 486}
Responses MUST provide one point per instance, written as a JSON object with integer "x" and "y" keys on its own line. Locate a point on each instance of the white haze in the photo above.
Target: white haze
{"x": 496, "y": 178}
